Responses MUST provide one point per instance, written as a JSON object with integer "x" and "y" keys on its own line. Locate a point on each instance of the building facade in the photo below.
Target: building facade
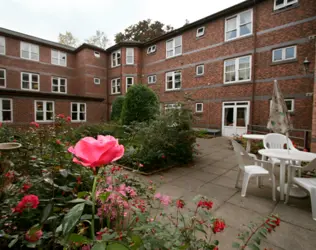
{"x": 222, "y": 65}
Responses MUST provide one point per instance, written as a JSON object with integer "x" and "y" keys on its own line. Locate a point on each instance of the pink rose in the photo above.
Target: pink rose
{"x": 92, "y": 153}
{"x": 33, "y": 236}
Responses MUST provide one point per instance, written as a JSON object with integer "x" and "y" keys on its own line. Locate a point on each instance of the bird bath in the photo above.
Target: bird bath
{"x": 9, "y": 146}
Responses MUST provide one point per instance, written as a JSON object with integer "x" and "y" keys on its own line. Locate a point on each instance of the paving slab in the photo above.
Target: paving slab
{"x": 215, "y": 191}
{"x": 214, "y": 170}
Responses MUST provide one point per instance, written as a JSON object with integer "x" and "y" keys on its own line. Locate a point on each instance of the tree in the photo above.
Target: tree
{"x": 140, "y": 105}
{"x": 143, "y": 31}
{"x": 99, "y": 39}
{"x": 68, "y": 39}
{"x": 117, "y": 106}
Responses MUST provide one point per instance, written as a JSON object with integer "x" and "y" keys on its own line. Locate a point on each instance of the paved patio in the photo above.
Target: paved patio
{"x": 214, "y": 174}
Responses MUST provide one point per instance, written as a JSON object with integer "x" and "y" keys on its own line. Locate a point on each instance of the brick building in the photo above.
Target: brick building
{"x": 224, "y": 64}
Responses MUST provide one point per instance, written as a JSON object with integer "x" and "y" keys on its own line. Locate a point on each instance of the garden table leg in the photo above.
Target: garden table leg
{"x": 282, "y": 179}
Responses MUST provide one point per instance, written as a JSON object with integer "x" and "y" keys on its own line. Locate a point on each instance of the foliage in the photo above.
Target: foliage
{"x": 143, "y": 31}
{"x": 256, "y": 145}
{"x": 117, "y": 106}
{"x": 68, "y": 39}
{"x": 203, "y": 133}
{"x": 166, "y": 141}
{"x": 140, "y": 105}
{"x": 99, "y": 39}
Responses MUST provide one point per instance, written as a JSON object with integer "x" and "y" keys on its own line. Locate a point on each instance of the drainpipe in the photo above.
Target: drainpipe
{"x": 254, "y": 21}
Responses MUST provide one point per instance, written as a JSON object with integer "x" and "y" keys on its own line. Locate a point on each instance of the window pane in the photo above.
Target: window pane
{"x": 178, "y": 41}
{"x": 230, "y": 66}
{"x": 245, "y": 29}
{"x": 279, "y": 2}
{"x": 119, "y": 61}
{"x": 231, "y": 24}
{"x": 40, "y": 116}
{"x": 63, "y": 89}
{"x": 230, "y": 77}
{"x": 55, "y": 81}
{"x": 231, "y": 34}
{"x": 34, "y": 78}
{"x": 74, "y": 107}
{"x": 49, "y": 106}
{"x": 289, "y": 53}
{"x": 34, "y": 56}
{"x": 170, "y": 53}
{"x": 1, "y": 82}
{"x": 288, "y": 104}
{"x": 277, "y": 55}
{"x": 39, "y": 106}
{"x": 54, "y": 53}
{"x": 6, "y": 104}
{"x": 244, "y": 74}
{"x": 25, "y": 46}
{"x": 1, "y": 73}
{"x": 244, "y": 63}
{"x": 6, "y": 115}
{"x": 245, "y": 17}
{"x": 82, "y": 107}
{"x": 118, "y": 88}
{"x": 169, "y": 45}
{"x": 82, "y": 116}
{"x": 25, "y": 85}
{"x": 74, "y": 116}
{"x": 35, "y": 85}
{"x": 178, "y": 50}
{"x": 55, "y": 88}
{"x": 49, "y": 116}
{"x": 25, "y": 54}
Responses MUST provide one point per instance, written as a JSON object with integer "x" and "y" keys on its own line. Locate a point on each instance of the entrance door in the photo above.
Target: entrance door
{"x": 235, "y": 118}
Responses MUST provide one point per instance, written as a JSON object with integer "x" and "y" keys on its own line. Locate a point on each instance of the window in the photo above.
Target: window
{"x": 200, "y": 31}
{"x": 200, "y": 70}
{"x": 5, "y": 110}
{"x": 279, "y": 4}
{"x": 116, "y": 58}
{"x": 129, "y": 82}
{"x": 289, "y": 104}
{"x": 129, "y": 55}
{"x": 174, "y": 47}
{"x": 239, "y": 25}
{"x": 78, "y": 112}
{"x": 172, "y": 106}
{"x": 237, "y": 69}
{"x": 59, "y": 85}
{"x": 151, "y": 49}
{"x": 97, "y": 54}
{"x": 97, "y": 81}
{"x": 173, "y": 80}
{"x": 283, "y": 54}
{"x": 116, "y": 86}
{"x": 29, "y": 81}
{"x": 199, "y": 107}
{"x": 152, "y": 79}
{"x": 44, "y": 111}
{"x": 2, "y": 78}
{"x": 2, "y": 45}
{"x": 59, "y": 58}
{"x": 29, "y": 51}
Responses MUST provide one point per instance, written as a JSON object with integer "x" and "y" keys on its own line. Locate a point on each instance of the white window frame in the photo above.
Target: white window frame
{"x": 30, "y": 81}
{"x": 152, "y": 79}
{"x": 284, "y": 54}
{"x": 60, "y": 54}
{"x": 2, "y": 45}
{"x": 114, "y": 81}
{"x": 59, "y": 84}
{"x": 196, "y": 107}
{"x": 237, "y": 59}
{"x": 1, "y": 110}
{"x": 287, "y": 100}
{"x": 29, "y": 51}
{"x": 237, "y": 16}
{"x": 200, "y": 33}
{"x": 114, "y": 62}
{"x": 151, "y": 49}
{"x": 96, "y": 81}
{"x": 130, "y": 58}
{"x": 173, "y": 74}
{"x": 173, "y": 49}
{"x": 197, "y": 71}
{"x": 44, "y": 111}
{"x": 97, "y": 54}
{"x": 5, "y": 78}
{"x": 170, "y": 106}
{"x": 78, "y": 111}
{"x": 126, "y": 81}
{"x": 285, "y": 4}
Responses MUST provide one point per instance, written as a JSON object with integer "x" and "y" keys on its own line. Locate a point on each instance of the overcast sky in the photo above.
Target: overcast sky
{"x": 46, "y": 18}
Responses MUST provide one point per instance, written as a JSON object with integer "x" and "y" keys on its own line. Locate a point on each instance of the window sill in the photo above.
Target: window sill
{"x": 173, "y": 90}
{"x": 284, "y": 62}
{"x": 236, "y": 83}
{"x": 171, "y": 57}
{"x": 199, "y": 37}
{"x": 113, "y": 67}
{"x": 286, "y": 8}
{"x": 130, "y": 64}
{"x": 78, "y": 121}
{"x": 116, "y": 93}
{"x": 238, "y": 38}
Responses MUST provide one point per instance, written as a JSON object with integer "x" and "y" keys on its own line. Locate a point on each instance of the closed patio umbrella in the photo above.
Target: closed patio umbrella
{"x": 279, "y": 119}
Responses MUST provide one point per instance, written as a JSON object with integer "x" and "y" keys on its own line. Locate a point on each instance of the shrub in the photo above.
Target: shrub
{"x": 117, "y": 108}
{"x": 140, "y": 105}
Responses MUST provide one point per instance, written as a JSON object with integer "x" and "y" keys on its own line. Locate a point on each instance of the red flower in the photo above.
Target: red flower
{"x": 205, "y": 204}
{"x": 180, "y": 203}
{"x": 0, "y": 124}
{"x": 9, "y": 174}
{"x": 34, "y": 124}
{"x": 218, "y": 226}
{"x": 33, "y": 236}
{"x": 163, "y": 157}
{"x": 140, "y": 165}
{"x": 62, "y": 116}
{"x": 68, "y": 118}
{"x": 58, "y": 142}
{"x": 28, "y": 201}
{"x": 26, "y": 186}
{"x": 275, "y": 222}
{"x": 79, "y": 180}
{"x": 216, "y": 248}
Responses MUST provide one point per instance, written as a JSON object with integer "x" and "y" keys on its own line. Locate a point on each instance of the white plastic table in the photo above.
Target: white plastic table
{"x": 286, "y": 155}
{"x": 251, "y": 137}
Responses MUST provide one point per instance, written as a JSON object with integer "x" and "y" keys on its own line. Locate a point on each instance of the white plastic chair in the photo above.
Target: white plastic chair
{"x": 278, "y": 141}
{"x": 307, "y": 183}
{"x": 248, "y": 163}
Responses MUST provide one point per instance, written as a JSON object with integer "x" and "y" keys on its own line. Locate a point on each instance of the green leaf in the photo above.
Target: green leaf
{"x": 12, "y": 242}
{"x": 253, "y": 247}
{"x": 72, "y": 217}
{"x": 46, "y": 212}
{"x": 88, "y": 217}
{"x": 82, "y": 194}
{"x": 78, "y": 200}
{"x": 116, "y": 246}
{"x": 236, "y": 245}
{"x": 104, "y": 196}
{"x": 99, "y": 246}
{"x": 78, "y": 239}
{"x": 184, "y": 247}
{"x": 216, "y": 242}
{"x": 137, "y": 240}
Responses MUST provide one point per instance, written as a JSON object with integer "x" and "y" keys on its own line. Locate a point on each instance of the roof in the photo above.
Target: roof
{"x": 223, "y": 13}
